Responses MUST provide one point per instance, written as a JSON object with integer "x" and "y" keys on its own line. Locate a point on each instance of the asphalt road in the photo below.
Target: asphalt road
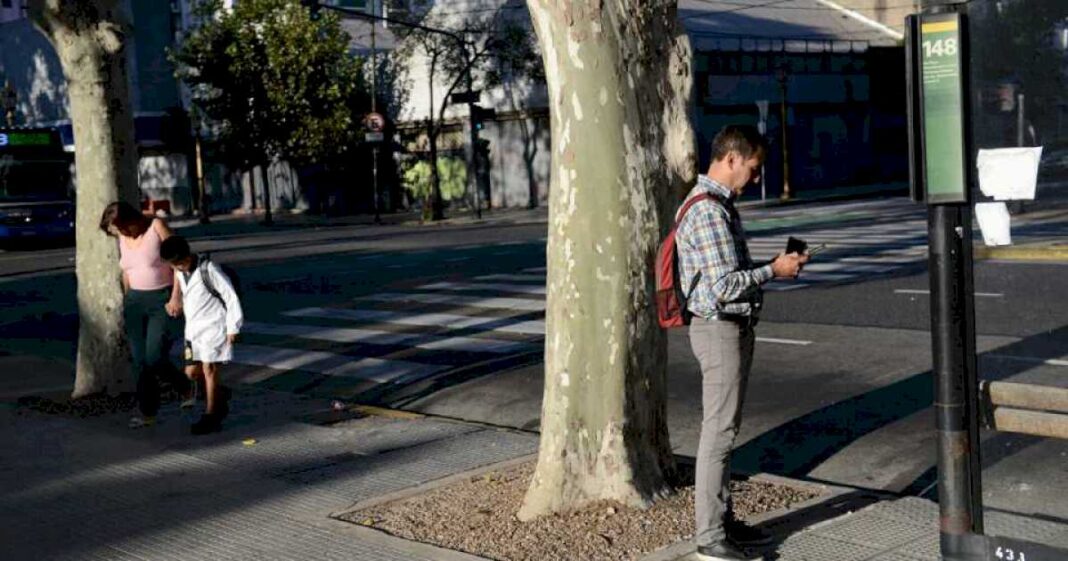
{"x": 448, "y": 320}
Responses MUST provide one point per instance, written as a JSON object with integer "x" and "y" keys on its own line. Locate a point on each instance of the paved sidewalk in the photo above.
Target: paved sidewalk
{"x": 89, "y": 489}
{"x": 93, "y": 489}
{"x": 246, "y": 223}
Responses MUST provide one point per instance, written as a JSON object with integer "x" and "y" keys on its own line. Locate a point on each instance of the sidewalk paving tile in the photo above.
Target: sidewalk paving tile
{"x": 818, "y": 547}
{"x": 874, "y": 531}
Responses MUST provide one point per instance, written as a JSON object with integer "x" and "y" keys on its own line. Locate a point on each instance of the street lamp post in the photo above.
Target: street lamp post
{"x": 783, "y": 78}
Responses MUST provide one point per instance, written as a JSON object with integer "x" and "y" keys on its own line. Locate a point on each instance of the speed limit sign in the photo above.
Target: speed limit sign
{"x": 375, "y": 122}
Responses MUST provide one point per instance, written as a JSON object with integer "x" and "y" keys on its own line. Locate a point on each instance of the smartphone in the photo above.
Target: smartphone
{"x": 817, "y": 249}
{"x": 794, "y": 245}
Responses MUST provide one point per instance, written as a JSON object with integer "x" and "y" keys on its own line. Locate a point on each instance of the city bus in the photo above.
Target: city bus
{"x": 36, "y": 187}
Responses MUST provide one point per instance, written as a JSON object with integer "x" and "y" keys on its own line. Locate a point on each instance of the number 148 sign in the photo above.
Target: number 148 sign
{"x": 942, "y": 92}
{"x": 940, "y": 47}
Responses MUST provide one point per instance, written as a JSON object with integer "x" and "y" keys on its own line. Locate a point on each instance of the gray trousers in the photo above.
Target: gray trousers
{"x": 725, "y": 352}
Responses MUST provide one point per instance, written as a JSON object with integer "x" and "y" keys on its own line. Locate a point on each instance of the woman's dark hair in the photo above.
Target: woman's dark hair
{"x": 127, "y": 219}
{"x": 174, "y": 249}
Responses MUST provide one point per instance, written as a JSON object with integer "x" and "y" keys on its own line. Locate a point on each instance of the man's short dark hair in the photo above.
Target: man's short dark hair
{"x": 746, "y": 140}
{"x": 174, "y": 249}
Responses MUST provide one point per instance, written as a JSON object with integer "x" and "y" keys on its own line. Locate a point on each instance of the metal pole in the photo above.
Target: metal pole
{"x": 953, "y": 338}
{"x": 374, "y": 109}
{"x": 785, "y": 151}
{"x": 474, "y": 179}
{"x": 201, "y": 195}
{"x": 1020, "y": 120}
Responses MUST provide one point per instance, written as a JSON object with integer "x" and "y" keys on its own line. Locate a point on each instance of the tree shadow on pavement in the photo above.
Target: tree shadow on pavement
{"x": 93, "y": 488}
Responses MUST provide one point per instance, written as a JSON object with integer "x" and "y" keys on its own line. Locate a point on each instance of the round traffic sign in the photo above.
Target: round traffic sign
{"x": 375, "y": 122}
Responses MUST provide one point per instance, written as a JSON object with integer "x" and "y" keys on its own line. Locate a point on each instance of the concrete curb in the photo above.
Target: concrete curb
{"x": 833, "y": 498}
{"x": 1048, "y": 251}
{"x": 417, "y": 490}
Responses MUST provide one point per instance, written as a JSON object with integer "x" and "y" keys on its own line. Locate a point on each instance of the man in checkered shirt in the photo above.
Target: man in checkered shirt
{"x": 726, "y": 297}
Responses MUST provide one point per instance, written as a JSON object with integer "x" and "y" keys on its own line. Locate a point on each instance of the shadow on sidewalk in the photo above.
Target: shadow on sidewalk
{"x": 797, "y": 447}
{"x": 94, "y": 483}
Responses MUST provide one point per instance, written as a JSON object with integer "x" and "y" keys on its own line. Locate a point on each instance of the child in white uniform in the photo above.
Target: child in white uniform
{"x": 213, "y": 320}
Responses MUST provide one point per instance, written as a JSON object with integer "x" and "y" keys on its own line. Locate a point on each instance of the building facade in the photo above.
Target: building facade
{"x": 162, "y": 130}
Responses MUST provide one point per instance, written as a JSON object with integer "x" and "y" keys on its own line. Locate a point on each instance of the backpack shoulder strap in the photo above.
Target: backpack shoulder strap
{"x": 202, "y": 265}
{"x": 706, "y": 196}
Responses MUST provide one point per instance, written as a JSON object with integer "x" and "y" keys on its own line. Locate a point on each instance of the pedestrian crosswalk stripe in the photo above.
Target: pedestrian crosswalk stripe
{"x": 784, "y": 341}
{"x": 835, "y": 266}
{"x": 889, "y": 259}
{"x": 497, "y": 303}
{"x": 333, "y": 364}
{"x": 377, "y": 337}
{"x": 449, "y": 321}
{"x": 518, "y": 278}
{"x": 475, "y": 286}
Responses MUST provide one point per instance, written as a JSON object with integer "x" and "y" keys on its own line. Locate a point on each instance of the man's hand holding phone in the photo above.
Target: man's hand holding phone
{"x": 789, "y": 264}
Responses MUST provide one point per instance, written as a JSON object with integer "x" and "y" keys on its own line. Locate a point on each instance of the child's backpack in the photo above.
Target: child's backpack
{"x": 670, "y": 300}
{"x": 227, "y": 270}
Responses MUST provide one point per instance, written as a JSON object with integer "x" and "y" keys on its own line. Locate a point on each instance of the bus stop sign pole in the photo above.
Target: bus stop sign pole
{"x": 941, "y": 174}
{"x": 938, "y": 92}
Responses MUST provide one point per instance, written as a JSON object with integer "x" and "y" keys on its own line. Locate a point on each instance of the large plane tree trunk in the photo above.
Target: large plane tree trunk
{"x": 90, "y": 39}
{"x": 623, "y": 150}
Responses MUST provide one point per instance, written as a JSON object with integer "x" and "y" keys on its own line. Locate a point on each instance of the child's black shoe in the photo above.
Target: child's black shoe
{"x": 207, "y": 424}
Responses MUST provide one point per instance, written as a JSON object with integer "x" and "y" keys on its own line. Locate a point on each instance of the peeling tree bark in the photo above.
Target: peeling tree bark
{"x": 623, "y": 153}
{"x": 90, "y": 39}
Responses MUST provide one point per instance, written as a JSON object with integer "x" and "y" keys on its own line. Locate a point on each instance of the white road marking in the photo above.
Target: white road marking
{"x": 496, "y": 303}
{"x": 449, "y": 321}
{"x": 332, "y": 364}
{"x": 500, "y": 287}
{"x": 443, "y": 320}
{"x": 1049, "y": 361}
{"x": 379, "y": 337}
{"x": 928, "y": 292}
{"x": 776, "y": 341}
{"x": 516, "y": 278}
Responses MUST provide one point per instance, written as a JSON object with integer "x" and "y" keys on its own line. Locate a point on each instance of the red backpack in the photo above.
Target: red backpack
{"x": 670, "y": 300}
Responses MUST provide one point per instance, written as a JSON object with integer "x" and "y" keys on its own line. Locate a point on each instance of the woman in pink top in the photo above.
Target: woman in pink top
{"x": 151, "y": 305}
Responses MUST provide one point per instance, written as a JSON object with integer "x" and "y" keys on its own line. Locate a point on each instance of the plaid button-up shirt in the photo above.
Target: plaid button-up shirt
{"x": 711, "y": 240}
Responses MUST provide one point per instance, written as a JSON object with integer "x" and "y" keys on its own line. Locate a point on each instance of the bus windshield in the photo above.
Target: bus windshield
{"x": 33, "y": 180}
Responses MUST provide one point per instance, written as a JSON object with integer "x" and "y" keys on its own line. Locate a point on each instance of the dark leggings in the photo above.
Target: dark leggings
{"x": 150, "y": 332}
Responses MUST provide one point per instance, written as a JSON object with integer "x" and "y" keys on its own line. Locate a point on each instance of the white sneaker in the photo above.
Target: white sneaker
{"x": 140, "y": 422}
{"x": 721, "y": 552}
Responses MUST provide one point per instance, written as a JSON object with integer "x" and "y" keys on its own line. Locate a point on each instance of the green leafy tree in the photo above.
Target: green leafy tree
{"x": 90, "y": 38}
{"x": 623, "y": 147}
{"x": 452, "y": 173}
{"x": 274, "y": 83}
{"x": 479, "y": 49}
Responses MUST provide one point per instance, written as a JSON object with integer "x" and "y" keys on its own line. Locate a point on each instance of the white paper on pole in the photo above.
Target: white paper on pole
{"x": 1008, "y": 174}
{"x": 994, "y": 222}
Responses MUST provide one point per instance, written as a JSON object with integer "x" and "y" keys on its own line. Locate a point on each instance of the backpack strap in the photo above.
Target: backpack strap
{"x": 202, "y": 260}
{"x": 706, "y": 196}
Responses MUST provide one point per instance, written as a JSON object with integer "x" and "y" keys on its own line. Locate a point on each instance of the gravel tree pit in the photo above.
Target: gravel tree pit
{"x": 477, "y": 516}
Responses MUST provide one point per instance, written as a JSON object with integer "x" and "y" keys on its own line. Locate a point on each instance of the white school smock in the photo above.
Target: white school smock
{"x": 207, "y": 320}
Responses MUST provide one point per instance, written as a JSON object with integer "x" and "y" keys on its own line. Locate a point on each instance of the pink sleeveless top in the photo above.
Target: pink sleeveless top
{"x": 142, "y": 265}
